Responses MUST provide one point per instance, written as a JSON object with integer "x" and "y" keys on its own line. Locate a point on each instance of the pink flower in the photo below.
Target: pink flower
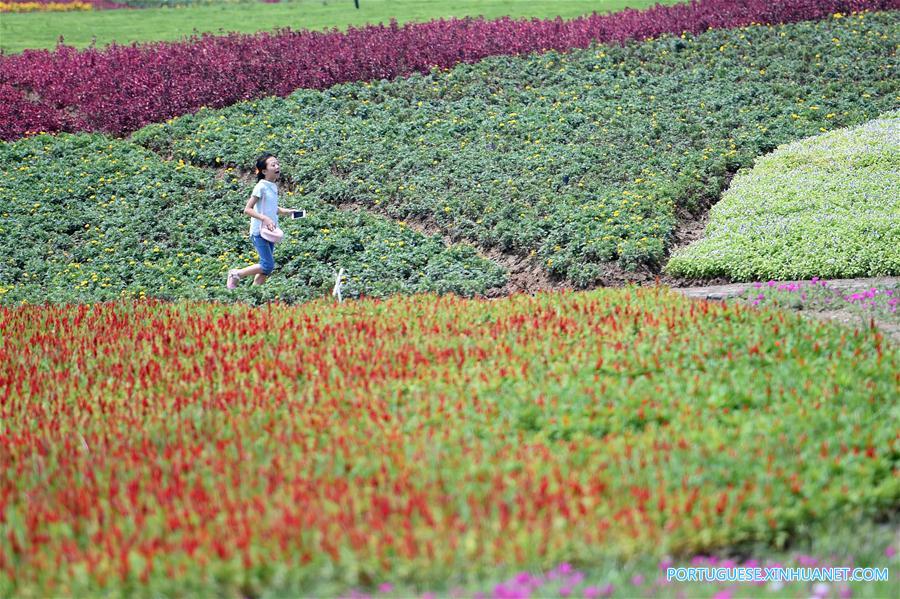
{"x": 890, "y": 551}
{"x": 591, "y": 593}
{"x": 807, "y": 561}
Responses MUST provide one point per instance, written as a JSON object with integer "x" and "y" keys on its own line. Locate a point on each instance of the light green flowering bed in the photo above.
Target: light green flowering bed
{"x": 826, "y": 206}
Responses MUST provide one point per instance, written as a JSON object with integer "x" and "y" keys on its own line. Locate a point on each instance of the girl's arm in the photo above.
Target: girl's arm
{"x": 250, "y": 210}
{"x": 286, "y": 211}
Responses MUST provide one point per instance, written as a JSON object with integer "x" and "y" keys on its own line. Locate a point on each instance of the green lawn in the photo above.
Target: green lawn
{"x": 79, "y": 29}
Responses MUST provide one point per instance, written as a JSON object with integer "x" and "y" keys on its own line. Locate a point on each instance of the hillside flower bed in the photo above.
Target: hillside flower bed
{"x": 578, "y": 159}
{"x": 210, "y": 449}
{"x": 87, "y": 218}
{"x": 56, "y": 5}
{"x": 825, "y": 206}
{"x": 121, "y": 88}
{"x": 75, "y": 5}
{"x": 44, "y": 6}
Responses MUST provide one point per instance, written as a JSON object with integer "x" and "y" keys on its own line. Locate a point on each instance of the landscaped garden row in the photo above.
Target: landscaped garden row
{"x": 828, "y": 205}
{"x": 56, "y": 5}
{"x": 120, "y": 89}
{"x": 87, "y": 218}
{"x": 580, "y": 159}
{"x": 154, "y": 448}
{"x": 70, "y": 5}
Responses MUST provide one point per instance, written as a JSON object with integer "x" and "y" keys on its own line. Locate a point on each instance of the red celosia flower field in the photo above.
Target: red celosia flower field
{"x": 122, "y": 88}
{"x": 191, "y": 447}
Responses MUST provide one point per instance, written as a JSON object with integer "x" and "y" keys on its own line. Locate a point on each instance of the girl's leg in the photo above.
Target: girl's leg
{"x": 249, "y": 271}
{"x": 266, "y": 259}
{"x": 260, "y": 271}
{"x": 235, "y": 275}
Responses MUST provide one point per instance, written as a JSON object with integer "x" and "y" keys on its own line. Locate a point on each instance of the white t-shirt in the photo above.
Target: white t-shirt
{"x": 267, "y": 192}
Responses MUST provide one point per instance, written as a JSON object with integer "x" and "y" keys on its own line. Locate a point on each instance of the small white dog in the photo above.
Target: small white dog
{"x": 338, "y": 285}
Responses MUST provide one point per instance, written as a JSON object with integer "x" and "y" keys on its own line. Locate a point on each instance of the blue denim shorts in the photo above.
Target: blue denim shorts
{"x": 265, "y": 250}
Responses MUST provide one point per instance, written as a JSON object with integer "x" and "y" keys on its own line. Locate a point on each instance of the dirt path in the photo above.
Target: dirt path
{"x": 721, "y": 292}
{"x": 846, "y": 318}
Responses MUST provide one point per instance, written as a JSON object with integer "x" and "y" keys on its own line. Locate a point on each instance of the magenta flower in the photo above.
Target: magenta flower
{"x": 522, "y": 578}
{"x": 807, "y": 561}
{"x": 591, "y": 593}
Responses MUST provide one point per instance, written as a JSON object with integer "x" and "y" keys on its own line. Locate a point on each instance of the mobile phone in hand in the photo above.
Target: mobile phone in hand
{"x": 298, "y": 214}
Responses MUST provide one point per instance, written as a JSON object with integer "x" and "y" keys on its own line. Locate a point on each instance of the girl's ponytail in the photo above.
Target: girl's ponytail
{"x": 261, "y": 166}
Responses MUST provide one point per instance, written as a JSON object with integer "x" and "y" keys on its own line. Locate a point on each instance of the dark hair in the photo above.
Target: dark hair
{"x": 261, "y": 166}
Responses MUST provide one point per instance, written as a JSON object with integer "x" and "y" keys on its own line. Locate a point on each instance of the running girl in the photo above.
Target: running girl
{"x": 263, "y": 210}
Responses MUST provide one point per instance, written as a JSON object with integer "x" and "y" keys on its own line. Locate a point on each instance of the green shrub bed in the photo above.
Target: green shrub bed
{"x": 826, "y": 206}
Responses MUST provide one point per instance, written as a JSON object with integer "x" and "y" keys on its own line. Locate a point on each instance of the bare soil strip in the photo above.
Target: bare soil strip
{"x": 732, "y": 290}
